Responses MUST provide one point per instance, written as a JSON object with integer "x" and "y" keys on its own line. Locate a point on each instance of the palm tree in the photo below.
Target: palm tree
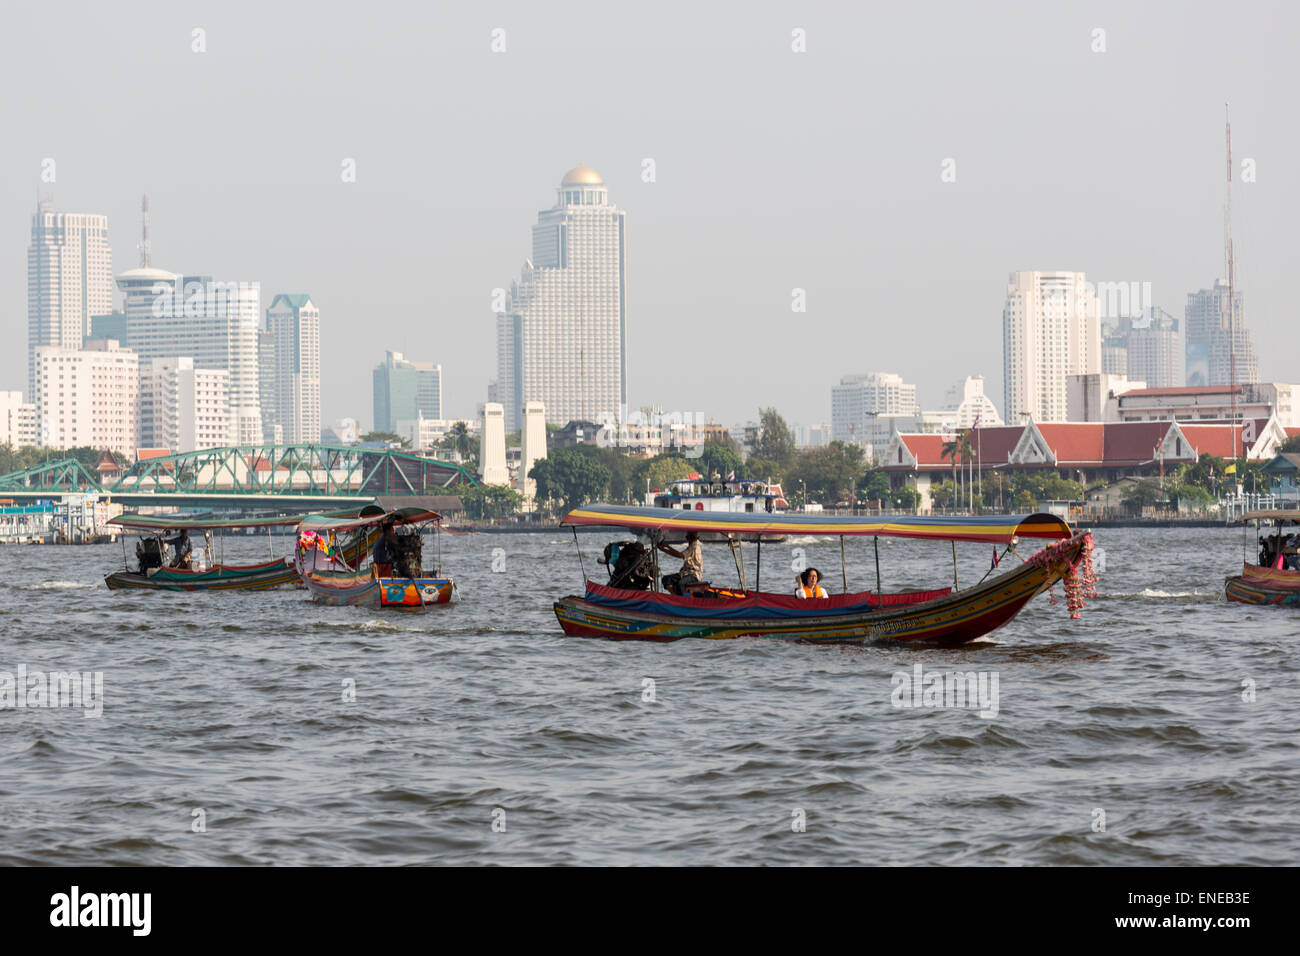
{"x": 967, "y": 452}
{"x": 952, "y": 450}
{"x": 458, "y": 440}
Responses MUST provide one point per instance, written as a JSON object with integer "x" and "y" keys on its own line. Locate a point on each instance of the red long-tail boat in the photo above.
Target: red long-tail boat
{"x": 634, "y": 606}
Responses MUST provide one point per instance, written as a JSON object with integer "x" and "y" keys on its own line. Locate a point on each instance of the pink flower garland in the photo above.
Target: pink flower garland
{"x": 1080, "y": 578}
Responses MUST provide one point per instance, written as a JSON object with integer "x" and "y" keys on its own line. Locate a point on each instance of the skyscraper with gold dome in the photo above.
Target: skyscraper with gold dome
{"x": 561, "y": 339}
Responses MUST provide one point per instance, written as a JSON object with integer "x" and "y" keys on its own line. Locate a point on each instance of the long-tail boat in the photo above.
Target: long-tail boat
{"x": 401, "y": 582}
{"x": 634, "y": 606}
{"x": 1276, "y": 578}
{"x": 158, "y": 567}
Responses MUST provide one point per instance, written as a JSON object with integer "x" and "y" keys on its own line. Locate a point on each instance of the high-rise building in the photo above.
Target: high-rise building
{"x": 1051, "y": 329}
{"x": 214, "y": 323}
{"x": 18, "y": 421}
{"x": 183, "y": 408}
{"x": 272, "y": 433}
{"x": 69, "y": 280}
{"x": 561, "y": 338}
{"x": 404, "y": 391}
{"x": 88, "y": 397}
{"x": 1213, "y": 339}
{"x": 1114, "y": 347}
{"x": 293, "y": 322}
{"x": 1155, "y": 351}
{"x": 858, "y": 399}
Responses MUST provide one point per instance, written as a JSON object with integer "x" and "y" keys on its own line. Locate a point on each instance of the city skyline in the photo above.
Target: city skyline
{"x": 793, "y": 196}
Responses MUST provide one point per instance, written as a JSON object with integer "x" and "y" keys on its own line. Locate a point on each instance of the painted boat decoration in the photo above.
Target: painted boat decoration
{"x": 943, "y": 616}
{"x": 166, "y": 560}
{"x": 400, "y": 581}
{"x": 1276, "y": 578}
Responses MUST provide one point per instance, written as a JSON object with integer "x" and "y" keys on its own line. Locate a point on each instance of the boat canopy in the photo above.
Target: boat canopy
{"x": 320, "y": 523}
{"x": 998, "y": 529}
{"x": 139, "y": 522}
{"x": 1279, "y": 514}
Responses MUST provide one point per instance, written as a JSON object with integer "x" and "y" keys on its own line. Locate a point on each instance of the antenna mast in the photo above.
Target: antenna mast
{"x": 1232, "y": 290}
{"x": 145, "y": 249}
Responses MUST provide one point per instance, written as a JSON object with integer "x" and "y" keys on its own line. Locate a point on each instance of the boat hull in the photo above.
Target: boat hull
{"x": 251, "y": 577}
{"x": 945, "y": 621}
{"x": 1256, "y": 585}
{"x": 365, "y": 589}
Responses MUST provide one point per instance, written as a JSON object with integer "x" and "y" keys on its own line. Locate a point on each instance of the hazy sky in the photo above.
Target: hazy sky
{"x": 775, "y": 170}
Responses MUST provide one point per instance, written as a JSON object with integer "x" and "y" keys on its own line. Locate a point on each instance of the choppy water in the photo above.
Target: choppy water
{"x": 234, "y": 704}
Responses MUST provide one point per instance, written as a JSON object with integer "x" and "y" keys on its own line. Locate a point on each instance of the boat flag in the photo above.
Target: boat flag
{"x": 731, "y": 475}
{"x": 995, "y": 558}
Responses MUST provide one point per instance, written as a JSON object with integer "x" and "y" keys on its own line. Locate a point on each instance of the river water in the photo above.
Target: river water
{"x": 255, "y": 728}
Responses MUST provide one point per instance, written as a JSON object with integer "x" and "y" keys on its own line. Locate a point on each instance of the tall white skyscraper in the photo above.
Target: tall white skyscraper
{"x": 69, "y": 280}
{"x": 293, "y": 322}
{"x": 1051, "y": 329}
{"x": 858, "y": 399}
{"x": 214, "y": 323}
{"x": 561, "y": 339}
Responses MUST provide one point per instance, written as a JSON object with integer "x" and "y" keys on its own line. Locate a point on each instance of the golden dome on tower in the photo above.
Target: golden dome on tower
{"x": 581, "y": 175}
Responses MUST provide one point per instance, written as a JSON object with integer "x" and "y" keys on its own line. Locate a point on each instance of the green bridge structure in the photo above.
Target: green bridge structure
{"x": 288, "y": 478}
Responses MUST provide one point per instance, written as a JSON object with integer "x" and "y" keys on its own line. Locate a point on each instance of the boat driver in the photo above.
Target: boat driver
{"x": 182, "y": 549}
{"x": 385, "y": 551}
{"x": 692, "y": 572}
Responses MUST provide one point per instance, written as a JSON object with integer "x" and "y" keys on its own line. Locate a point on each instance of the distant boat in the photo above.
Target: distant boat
{"x": 159, "y": 568}
{"x": 402, "y": 584}
{"x": 1275, "y": 579}
{"x": 942, "y": 616}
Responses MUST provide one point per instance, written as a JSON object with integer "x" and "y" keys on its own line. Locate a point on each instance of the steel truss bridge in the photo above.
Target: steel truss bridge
{"x": 288, "y": 477}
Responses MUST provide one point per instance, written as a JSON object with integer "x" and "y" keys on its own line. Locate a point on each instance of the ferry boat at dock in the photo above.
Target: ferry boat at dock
{"x": 717, "y": 494}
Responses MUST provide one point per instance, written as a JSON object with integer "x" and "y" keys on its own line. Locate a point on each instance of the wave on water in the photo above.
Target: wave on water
{"x": 1158, "y": 593}
{"x": 57, "y": 586}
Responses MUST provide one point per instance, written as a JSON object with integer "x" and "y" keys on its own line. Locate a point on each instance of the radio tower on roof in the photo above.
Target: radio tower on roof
{"x": 1232, "y": 291}
{"x": 145, "y": 249}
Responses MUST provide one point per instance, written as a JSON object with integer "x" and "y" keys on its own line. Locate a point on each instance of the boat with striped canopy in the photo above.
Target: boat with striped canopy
{"x": 940, "y": 616}
{"x": 1275, "y": 579}
{"x": 399, "y": 582}
{"x": 161, "y": 565}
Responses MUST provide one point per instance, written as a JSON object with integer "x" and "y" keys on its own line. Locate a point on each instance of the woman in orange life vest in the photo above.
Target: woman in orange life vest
{"x": 809, "y": 584}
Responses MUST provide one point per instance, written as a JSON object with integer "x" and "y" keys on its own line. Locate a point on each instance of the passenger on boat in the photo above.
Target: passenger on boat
{"x": 809, "y": 584}
{"x": 692, "y": 572}
{"x": 385, "y": 551}
{"x": 1289, "y": 557}
{"x": 181, "y": 550}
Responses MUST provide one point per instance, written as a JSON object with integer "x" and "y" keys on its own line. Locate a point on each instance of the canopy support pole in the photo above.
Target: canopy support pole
{"x": 844, "y": 571}
{"x": 875, "y": 540}
{"x": 954, "y": 565}
{"x": 758, "y": 566}
{"x": 577, "y": 548}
